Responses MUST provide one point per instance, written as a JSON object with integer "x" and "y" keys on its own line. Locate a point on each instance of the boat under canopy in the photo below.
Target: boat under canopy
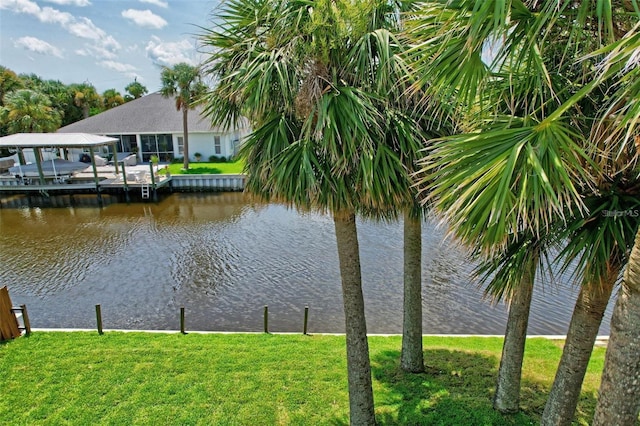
{"x": 58, "y": 166}
{"x": 55, "y": 167}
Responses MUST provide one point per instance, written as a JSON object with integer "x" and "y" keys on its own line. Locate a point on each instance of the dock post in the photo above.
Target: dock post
{"x": 25, "y": 320}
{"x": 182, "y": 320}
{"x": 126, "y": 186}
{"x": 99, "y": 318}
{"x": 266, "y": 319}
{"x": 306, "y": 319}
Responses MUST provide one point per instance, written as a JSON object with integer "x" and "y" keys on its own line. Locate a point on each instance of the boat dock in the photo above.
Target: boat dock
{"x": 145, "y": 178}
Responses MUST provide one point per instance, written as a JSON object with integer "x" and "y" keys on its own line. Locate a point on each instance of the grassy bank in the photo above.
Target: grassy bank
{"x": 203, "y": 168}
{"x": 148, "y": 379}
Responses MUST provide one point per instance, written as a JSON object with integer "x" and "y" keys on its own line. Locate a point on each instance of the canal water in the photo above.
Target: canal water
{"x": 223, "y": 258}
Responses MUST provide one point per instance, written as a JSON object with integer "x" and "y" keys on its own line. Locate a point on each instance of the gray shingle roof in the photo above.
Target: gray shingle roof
{"x": 149, "y": 114}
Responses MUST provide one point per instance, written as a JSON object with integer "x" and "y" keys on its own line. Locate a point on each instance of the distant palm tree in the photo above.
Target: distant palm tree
{"x": 27, "y": 111}
{"x": 315, "y": 81}
{"x": 111, "y": 98}
{"x": 86, "y": 97}
{"x": 9, "y": 82}
{"x": 135, "y": 89}
{"x": 183, "y": 82}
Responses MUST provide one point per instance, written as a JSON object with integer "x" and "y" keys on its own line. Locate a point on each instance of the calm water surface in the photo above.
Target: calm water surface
{"x": 223, "y": 259}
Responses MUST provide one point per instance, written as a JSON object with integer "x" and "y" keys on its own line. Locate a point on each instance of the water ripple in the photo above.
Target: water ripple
{"x": 224, "y": 258}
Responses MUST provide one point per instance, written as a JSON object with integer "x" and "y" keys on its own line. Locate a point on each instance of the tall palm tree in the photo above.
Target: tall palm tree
{"x": 183, "y": 82}
{"x": 313, "y": 79}
{"x": 26, "y": 111}
{"x": 618, "y": 401}
{"x": 522, "y": 165}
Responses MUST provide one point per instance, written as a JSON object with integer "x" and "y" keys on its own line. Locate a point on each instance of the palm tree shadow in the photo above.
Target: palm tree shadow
{"x": 455, "y": 389}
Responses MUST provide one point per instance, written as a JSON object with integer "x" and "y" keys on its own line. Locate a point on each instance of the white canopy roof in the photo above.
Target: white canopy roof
{"x": 62, "y": 140}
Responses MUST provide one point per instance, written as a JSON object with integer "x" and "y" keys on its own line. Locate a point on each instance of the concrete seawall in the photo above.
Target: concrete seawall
{"x": 208, "y": 182}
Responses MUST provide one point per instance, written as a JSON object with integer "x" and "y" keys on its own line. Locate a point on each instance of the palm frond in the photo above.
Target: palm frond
{"x": 514, "y": 174}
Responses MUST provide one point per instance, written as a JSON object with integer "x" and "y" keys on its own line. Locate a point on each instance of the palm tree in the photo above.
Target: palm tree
{"x": 9, "y": 82}
{"x": 26, "y": 111}
{"x": 313, "y": 80}
{"x": 86, "y": 97}
{"x": 183, "y": 82}
{"x": 111, "y": 98}
{"x": 618, "y": 401}
{"x": 522, "y": 166}
{"x": 135, "y": 89}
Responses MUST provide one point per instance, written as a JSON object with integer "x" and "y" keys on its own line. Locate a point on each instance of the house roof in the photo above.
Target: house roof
{"x": 152, "y": 113}
{"x": 44, "y": 140}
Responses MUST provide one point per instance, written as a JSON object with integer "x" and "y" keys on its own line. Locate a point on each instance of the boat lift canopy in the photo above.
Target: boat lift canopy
{"x": 37, "y": 141}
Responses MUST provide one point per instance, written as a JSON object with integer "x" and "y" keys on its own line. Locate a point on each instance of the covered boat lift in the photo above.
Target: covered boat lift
{"x": 40, "y": 141}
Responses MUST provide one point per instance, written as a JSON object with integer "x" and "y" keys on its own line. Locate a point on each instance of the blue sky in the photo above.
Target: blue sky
{"x": 105, "y": 42}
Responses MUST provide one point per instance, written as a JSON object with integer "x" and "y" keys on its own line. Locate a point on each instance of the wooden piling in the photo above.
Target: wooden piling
{"x": 266, "y": 319}
{"x": 25, "y": 320}
{"x": 306, "y": 319}
{"x": 99, "y": 318}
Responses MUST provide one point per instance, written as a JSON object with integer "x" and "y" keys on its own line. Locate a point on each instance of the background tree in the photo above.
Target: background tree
{"x": 26, "y": 111}
{"x": 9, "y": 82}
{"x": 135, "y": 90}
{"x": 62, "y": 98}
{"x": 184, "y": 83}
{"x": 86, "y": 97}
{"x": 111, "y": 98}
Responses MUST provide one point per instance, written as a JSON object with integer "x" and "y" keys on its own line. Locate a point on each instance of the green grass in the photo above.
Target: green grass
{"x": 203, "y": 168}
{"x": 147, "y": 379}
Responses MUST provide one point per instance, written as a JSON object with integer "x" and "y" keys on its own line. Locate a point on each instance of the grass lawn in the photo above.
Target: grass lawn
{"x": 202, "y": 168}
{"x": 149, "y": 379}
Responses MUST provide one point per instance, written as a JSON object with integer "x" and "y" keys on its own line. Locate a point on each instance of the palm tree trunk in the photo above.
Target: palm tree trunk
{"x": 411, "y": 359}
{"x": 618, "y": 401}
{"x": 583, "y": 330}
{"x": 361, "y": 407}
{"x": 185, "y": 137}
{"x": 507, "y": 397}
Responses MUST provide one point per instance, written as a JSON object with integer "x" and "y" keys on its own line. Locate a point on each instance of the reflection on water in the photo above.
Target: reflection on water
{"x": 224, "y": 259}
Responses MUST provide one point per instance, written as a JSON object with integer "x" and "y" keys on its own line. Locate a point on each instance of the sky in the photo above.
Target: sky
{"x": 108, "y": 43}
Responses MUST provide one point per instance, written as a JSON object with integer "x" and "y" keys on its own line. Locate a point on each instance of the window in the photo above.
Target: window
{"x": 180, "y": 146}
{"x": 126, "y": 143}
{"x": 217, "y": 145}
{"x": 160, "y": 145}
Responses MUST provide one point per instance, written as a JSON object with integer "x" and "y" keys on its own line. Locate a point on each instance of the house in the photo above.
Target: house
{"x": 151, "y": 125}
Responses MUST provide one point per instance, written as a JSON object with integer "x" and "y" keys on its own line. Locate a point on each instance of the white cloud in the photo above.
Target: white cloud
{"x": 38, "y": 46}
{"x": 104, "y": 44}
{"x": 144, "y": 18}
{"x": 20, "y": 6}
{"x": 79, "y": 3}
{"x": 96, "y": 51}
{"x": 54, "y": 16}
{"x": 124, "y": 69}
{"x": 158, "y": 3}
{"x": 170, "y": 53}
{"x": 118, "y": 66}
